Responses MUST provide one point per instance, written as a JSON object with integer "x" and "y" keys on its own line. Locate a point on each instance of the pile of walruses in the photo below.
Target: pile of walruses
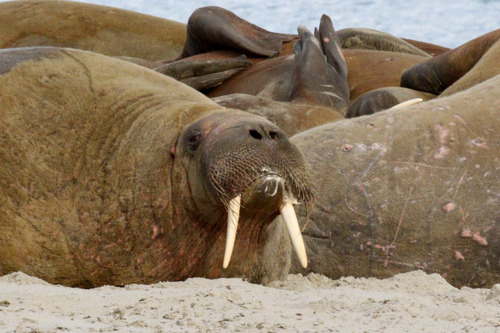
{"x": 135, "y": 149}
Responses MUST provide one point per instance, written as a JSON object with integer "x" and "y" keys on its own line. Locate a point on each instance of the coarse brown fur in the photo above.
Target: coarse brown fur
{"x": 369, "y": 39}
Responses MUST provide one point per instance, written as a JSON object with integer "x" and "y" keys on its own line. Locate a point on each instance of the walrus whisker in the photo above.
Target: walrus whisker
{"x": 272, "y": 179}
{"x": 275, "y": 189}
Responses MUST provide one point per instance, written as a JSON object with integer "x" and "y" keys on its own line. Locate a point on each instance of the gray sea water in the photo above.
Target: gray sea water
{"x": 443, "y": 22}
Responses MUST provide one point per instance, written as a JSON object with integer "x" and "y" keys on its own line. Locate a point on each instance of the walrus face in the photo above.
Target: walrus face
{"x": 245, "y": 161}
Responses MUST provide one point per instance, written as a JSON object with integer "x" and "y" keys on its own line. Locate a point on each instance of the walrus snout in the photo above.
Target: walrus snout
{"x": 264, "y": 132}
{"x": 240, "y": 155}
{"x": 249, "y": 162}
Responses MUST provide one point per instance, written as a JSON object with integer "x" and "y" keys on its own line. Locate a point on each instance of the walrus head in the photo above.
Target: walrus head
{"x": 238, "y": 160}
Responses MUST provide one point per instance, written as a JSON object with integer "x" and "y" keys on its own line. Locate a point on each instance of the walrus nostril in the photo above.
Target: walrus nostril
{"x": 274, "y": 135}
{"x": 255, "y": 134}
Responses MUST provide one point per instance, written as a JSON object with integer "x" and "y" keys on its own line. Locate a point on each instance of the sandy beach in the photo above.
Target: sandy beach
{"x": 410, "y": 302}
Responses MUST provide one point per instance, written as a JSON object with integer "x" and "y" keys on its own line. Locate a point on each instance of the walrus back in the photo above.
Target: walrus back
{"x": 106, "y": 30}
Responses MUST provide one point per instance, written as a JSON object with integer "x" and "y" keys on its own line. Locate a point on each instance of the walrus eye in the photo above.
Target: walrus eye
{"x": 194, "y": 140}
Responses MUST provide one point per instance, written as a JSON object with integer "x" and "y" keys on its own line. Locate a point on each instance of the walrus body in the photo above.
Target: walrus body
{"x": 449, "y": 72}
{"x": 370, "y": 70}
{"x": 292, "y": 118}
{"x": 101, "y": 29}
{"x": 415, "y": 188}
{"x": 111, "y": 173}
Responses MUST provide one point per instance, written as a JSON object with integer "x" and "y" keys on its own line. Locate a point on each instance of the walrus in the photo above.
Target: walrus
{"x": 437, "y": 74}
{"x": 406, "y": 189}
{"x": 107, "y": 30}
{"x": 143, "y": 39}
{"x": 213, "y": 39}
{"x": 298, "y": 91}
{"x": 111, "y": 173}
{"x": 367, "y": 70}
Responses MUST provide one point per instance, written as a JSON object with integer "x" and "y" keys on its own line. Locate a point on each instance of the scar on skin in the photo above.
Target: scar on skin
{"x": 443, "y": 151}
{"x": 443, "y": 133}
{"x": 459, "y": 255}
{"x": 476, "y": 236}
{"x": 449, "y": 207}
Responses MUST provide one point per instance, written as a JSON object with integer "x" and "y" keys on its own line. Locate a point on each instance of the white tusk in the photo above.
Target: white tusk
{"x": 233, "y": 215}
{"x": 406, "y": 103}
{"x": 292, "y": 225}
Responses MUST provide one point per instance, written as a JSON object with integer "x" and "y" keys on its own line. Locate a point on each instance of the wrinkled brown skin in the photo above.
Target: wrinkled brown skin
{"x": 437, "y": 74}
{"x": 292, "y": 118}
{"x": 106, "y": 30}
{"x": 369, "y": 39}
{"x": 103, "y": 175}
{"x": 370, "y": 70}
{"x": 383, "y": 99}
{"x": 415, "y": 188}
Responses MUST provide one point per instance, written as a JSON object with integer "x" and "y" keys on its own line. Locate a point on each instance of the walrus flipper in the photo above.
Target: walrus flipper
{"x": 315, "y": 75}
{"x": 214, "y": 28}
{"x": 330, "y": 43}
{"x": 204, "y": 74}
